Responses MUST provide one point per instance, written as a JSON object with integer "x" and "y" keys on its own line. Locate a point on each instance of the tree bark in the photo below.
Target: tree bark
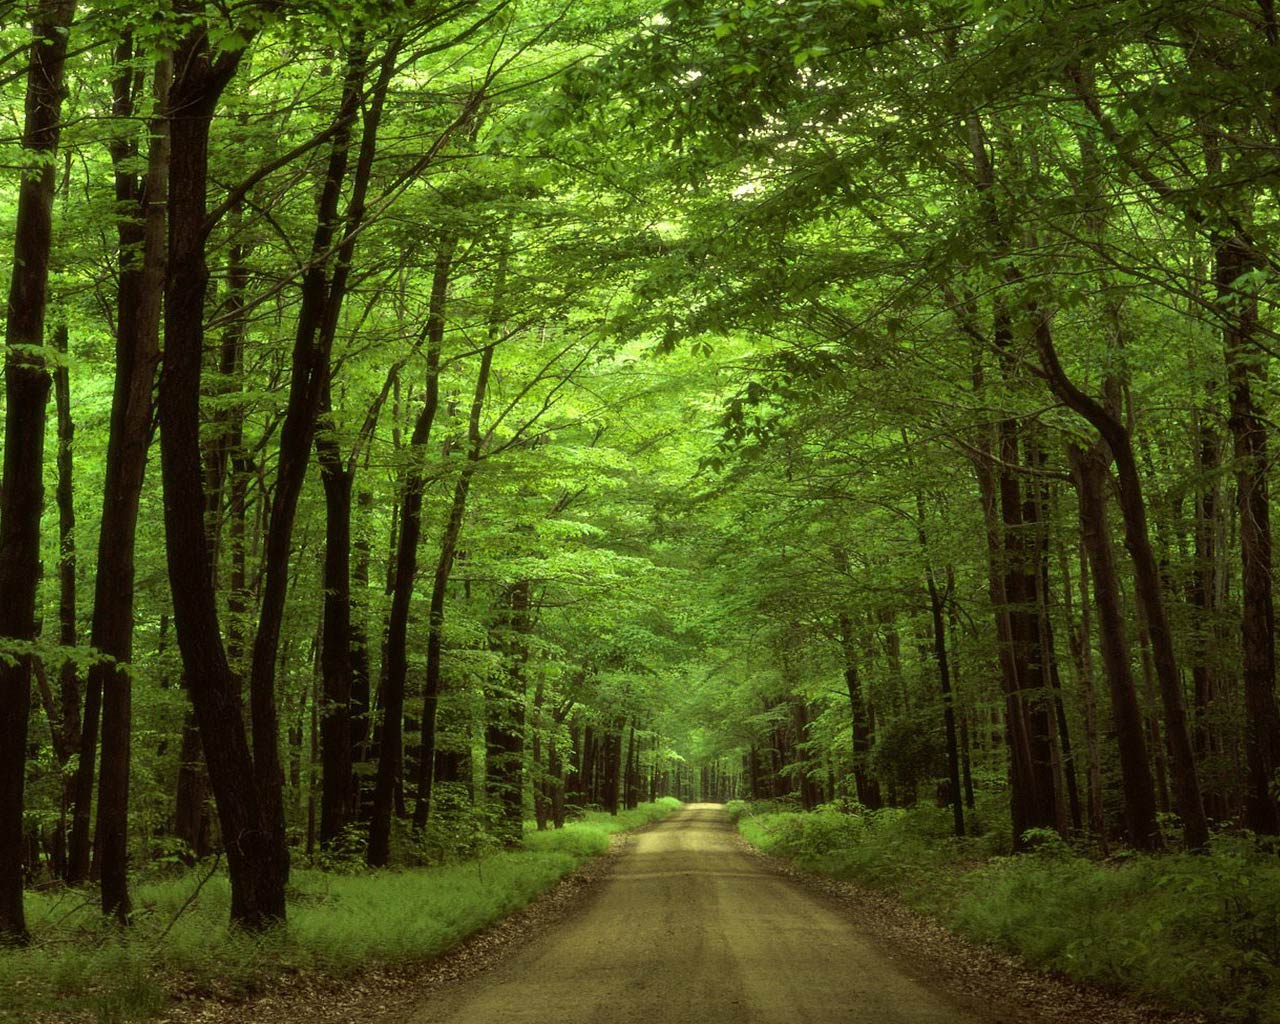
{"x": 395, "y": 657}
{"x": 1147, "y": 579}
{"x": 440, "y": 586}
{"x": 137, "y": 348}
{"x": 64, "y": 714}
{"x": 1245, "y": 362}
{"x": 504, "y": 731}
{"x": 1089, "y": 470}
{"x": 26, "y": 395}
{"x": 257, "y": 857}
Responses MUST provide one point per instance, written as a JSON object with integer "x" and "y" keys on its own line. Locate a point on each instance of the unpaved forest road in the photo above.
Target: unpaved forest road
{"x": 689, "y": 928}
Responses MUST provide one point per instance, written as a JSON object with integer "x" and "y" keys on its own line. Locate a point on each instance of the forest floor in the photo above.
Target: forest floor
{"x": 686, "y": 924}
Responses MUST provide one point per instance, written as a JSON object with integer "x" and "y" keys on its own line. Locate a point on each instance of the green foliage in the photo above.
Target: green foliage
{"x": 338, "y": 924}
{"x": 1196, "y": 932}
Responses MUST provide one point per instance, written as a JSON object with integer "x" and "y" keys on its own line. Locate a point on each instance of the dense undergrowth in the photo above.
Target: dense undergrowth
{"x": 339, "y": 922}
{"x": 1195, "y": 932}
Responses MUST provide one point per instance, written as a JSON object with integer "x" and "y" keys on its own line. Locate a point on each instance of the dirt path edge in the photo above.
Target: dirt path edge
{"x": 976, "y": 974}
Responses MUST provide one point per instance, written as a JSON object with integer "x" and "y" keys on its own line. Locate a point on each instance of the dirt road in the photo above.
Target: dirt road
{"x": 690, "y": 928}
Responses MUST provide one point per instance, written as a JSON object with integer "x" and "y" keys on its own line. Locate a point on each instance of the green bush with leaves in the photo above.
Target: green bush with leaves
{"x": 1192, "y": 931}
{"x": 339, "y": 923}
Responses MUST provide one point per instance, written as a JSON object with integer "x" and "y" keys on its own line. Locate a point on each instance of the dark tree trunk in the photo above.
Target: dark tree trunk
{"x": 1016, "y": 738}
{"x": 632, "y": 787}
{"x": 936, "y": 607}
{"x": 611, "y": 753}
{"x": 67, "y": 727}
{"x": 26, "y": 395}
{"x": 257, "y": 857}
{"x": 541, "y": 771}
{"x": 866, "y": 785}
{"x": 1245, "y": 365}
{"x": 395, "y": 657}
{"x": 1021, "y": 526}
{"x": 191, "y": 819}
{"x": 360, "y": 672}
{"x": 1090, "y": 472}
{"x": 337, "y": 799}
{"x": 1203, "y": 593}
{"x": 142, "y": 247}
{"x": 1147, "y": 580}
{"x": 504, "y": 731}
{"x": 440, "y": 587}
{"x": 64, "y": 713}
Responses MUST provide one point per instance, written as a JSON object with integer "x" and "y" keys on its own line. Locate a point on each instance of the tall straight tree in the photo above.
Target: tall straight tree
{"x": 26, "y": 378}
{"x": 141, "y": 233}
{"x": 404, "y": 569}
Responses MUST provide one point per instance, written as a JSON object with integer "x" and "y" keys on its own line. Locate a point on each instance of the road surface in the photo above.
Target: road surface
{"x": 690, "y": 928}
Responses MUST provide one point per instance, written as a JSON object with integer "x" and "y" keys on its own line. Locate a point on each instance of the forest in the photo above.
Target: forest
{"x": 438, "y": 434}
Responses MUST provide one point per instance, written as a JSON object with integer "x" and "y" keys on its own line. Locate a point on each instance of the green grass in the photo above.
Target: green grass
{"x": 1195, "y": 932}
{"x": 338, "y": 923}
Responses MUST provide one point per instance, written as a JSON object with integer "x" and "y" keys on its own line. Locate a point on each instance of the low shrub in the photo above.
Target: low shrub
{"x": 1196, "y": 932}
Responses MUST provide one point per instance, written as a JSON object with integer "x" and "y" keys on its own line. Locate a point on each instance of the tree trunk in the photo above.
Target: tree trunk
{"x": 440, "y": 586}
{"x": 26, "y": 395}
{"x": 611, "y": 754}
{"x": 1202, "y": 595}
{"x": 137, "y": 346}
{"x": 337, "y": 800}
{"x": 936, "y": 603}
{"x": 1090, "y": 472}
{"x": 541, "y": 770}
{"x": 257, "y": 857}
{"x": 1080, "y": 637}
{"x": 1147, "y": 579}
{"x": 191, "y": 820}
{"x": 64, "y": 713}
{"x": 1245, "y": 364}
{"x": 395, "y": 657}
{"x": 504, "y": 732}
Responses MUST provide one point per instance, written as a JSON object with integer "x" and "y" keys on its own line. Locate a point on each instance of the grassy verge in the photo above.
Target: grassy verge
{"x": 338, "y": 923}
{"x": 1196, "y": 932}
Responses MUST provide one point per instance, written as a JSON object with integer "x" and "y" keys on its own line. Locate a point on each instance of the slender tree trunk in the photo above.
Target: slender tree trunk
{"x": 395, "y": 657}
{"x": 1245, "y": 365}
{"x": 936, "y": 603}
{"x": 137, "y": 346}
{"x": 504, "y": 733}
{"x": 440, "y": 586}
{"x": 26, "y": 395}
{"x": 1090, "y": 472}
{"x": 541, "y": 770}
{"x": 866, "y": 785}
{"x": 1147, "y": 578}
{"x": 1202, "y": 595}
{"x": 611, "y": 754}
{"x": 337, "y": 781}
{"x": 1080, "y": 638}
{"x": 64, "y": 719}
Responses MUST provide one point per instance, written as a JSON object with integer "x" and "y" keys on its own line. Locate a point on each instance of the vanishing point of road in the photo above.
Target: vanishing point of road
{"x": 690, "y": 928}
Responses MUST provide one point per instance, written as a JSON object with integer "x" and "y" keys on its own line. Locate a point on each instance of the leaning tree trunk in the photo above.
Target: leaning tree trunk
{"x": 257, "y": 858}
{"x": 1147, "y": 582}
{"x": 26, "y": 395}
{"x": 1090, "y": 472}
